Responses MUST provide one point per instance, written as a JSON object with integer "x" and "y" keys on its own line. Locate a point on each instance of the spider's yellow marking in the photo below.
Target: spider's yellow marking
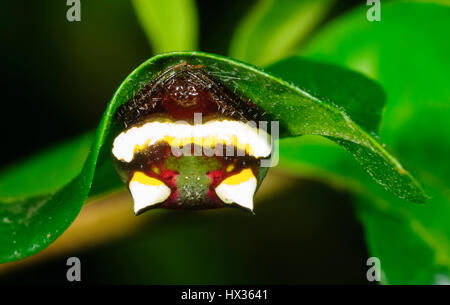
{"x": 209, "y": 142}
{"x": 244, "y": 175}
{"x": 144, "y": 179}
{"x": 156, "y": 170}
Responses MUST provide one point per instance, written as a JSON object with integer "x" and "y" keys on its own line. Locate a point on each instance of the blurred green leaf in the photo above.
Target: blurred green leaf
{"x": 407, "y": 52}
{"x": 273, "y": 28}
{"x": 170, "y": 25}
{"x": 28, "y": 225}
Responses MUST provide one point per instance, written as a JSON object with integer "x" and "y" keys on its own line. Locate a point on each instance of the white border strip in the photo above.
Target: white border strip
{"x": 224, "y": 131}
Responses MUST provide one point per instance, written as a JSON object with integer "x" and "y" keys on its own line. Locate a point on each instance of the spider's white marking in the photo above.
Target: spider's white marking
{"x": 147, "y": 191}
{"x": 255, "y": 141}
{"x": 238, "y": 189}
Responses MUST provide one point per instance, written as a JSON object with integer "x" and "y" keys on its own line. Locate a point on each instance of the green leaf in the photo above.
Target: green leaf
{"x": 357, "y": 98}
{"x": 273, "y": 28}
{"x": 170, "y": 25}
{"x": 357, "y": 95}
{"x": 412, "y": 241}
{"x": 31, "y": 224}
{"x": 59, "y": 165}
